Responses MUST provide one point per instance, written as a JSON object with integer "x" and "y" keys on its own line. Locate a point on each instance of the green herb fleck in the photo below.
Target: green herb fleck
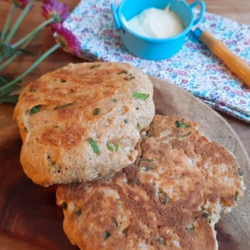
{"x": 115, "y": 221}
{"x": 161, "y": 241}
{"x": 94, "y": 145}
{"x": 133, "y": 182}
{"x": 106, "y": 235}
{"x": 124, "y": 71}
{"x": 53, "y": 164}
{"x": 191, "y": 226}
{"x": 140, "y": 96}
{"x": 205, "y": 214}
{"x": 126, "y": 121}
{"x": 35, "y": 109}
{"x": 113, "y": 100}
{"x": 148, "y": 168}
{"x": 95, "y": 66}
{"x": 113, "y": 147}
{"x": 64, "y": 205}
{"x": 48, "y": 157}
{"x": 163, "y": 198}
{"x": 56, "y": 126}
{"x": 241, "y": 173}
{"x": 32, "y": 90}
{"x": 145, "y": 159}
{"x": 78, "y": 212}
{"x": 65, "y": 105}
{"x": 185, "y": 135}
{"x": 125, "y": 231}
{"x": 236, "y": 196}
{"x": 96, "y": 111}
{"x": 25, "y": 129}
{"x": 180, "y": 124}
{"x": 138, "y": 126}
{"x": 145, "y": 164}
{"x": 129, "y": 78}
{"x": 141, "y": 161}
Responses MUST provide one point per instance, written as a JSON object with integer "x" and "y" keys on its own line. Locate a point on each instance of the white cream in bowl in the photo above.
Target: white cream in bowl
{"x": 156, "y": 23}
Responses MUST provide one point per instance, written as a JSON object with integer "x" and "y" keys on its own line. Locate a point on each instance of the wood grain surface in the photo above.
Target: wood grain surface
{"x": 7, "y": 243}
{"x": 238, "y": 10}
{"x": 22, "y": 192}
{"x": 29, "y": 212}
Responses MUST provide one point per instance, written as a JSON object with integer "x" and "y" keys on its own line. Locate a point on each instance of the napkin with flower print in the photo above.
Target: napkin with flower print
{"x": 194, "y": 68}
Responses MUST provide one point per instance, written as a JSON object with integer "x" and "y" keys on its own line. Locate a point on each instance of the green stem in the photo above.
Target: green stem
{"x": 47, "y": 53}
{"x": 11, "y": 59}
{"x": 1, "y": 58}
{"x": 7, "y": 22}
{"x": 18, "y": 21}
{"x": 38, "y": 28}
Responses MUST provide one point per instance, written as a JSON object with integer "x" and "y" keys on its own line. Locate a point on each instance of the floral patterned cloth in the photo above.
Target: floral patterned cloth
{"x": 194, "y": 68}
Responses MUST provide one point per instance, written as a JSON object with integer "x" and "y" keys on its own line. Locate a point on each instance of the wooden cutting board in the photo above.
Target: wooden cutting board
{"x": 29, "y": 213}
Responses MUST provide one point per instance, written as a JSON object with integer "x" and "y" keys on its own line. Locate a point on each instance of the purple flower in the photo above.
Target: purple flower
{"x": 56, "y": 10}
{"x": 67, "y": 39}
{"x": 18, "y": 3}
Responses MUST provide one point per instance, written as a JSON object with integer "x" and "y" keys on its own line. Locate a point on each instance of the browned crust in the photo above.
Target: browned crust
{"x": 64, "y": 119}
{"x": 158, "y": 200}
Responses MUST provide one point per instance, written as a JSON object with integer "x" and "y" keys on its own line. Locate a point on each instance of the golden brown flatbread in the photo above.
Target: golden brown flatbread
{"x": 83, "y": 121}
{"x": 169, "y": 199}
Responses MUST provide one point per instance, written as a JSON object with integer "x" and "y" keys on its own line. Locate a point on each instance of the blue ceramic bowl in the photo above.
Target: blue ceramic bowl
{"x": 152, "y": 48}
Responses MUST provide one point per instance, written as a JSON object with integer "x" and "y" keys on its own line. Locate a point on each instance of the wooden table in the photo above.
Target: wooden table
{"x": 238, "y": 10}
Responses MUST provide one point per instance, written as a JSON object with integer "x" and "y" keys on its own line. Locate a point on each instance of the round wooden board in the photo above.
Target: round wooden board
{"x": 234, "y": 228}
{"x": 39, "y": 220}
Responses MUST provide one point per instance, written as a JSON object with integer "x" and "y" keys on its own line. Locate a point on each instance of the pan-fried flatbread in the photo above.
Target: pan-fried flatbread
{"x": 169, "y": 199}
{"x": 83, "y": 121}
